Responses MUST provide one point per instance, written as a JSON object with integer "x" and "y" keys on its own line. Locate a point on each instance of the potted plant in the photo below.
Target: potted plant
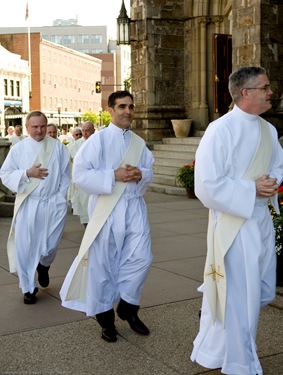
{"x": 185, "y": 177}
{"x": 278, "y": 230}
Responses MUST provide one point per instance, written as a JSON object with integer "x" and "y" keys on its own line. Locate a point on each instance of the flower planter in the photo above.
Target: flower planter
{"x": 182, "y": 127}
{"x": 279, "y": 270}
{"x": 191, "y": 193}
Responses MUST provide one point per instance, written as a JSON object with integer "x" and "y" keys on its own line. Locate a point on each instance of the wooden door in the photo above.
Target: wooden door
{"x": 222, "y": 68}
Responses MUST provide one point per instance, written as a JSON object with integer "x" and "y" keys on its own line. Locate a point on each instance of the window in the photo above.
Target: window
{"x": 69, "y": 39}
{"x": 83, "y": 39}
{"x": 18, "y": 93}
{"x": 6, "y": 87}
{"x": 96, "y": 51}
{"x": 56, "y": 39}
{"x": 12, "y": 88}
{"x": 84, "y": 50}
{"x": 97, "y": 39}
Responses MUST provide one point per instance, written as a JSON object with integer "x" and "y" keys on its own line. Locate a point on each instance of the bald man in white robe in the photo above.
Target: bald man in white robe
{"x": 37, "y": 169}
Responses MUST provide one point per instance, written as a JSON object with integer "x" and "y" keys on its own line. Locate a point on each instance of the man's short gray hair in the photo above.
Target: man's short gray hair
{"x": 242, "y": 78}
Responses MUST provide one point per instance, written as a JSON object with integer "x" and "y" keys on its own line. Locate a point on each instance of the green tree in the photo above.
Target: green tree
{"x": 127, "y": 84}
{"x": 91, "y": 116}
{"x": 105, "y": 118}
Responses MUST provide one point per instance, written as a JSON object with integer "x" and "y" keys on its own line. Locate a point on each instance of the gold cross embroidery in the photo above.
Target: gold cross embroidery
{"x": 215, "y": 274}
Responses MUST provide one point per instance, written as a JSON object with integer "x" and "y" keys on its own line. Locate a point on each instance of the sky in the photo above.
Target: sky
{"x": 43, "y": 12}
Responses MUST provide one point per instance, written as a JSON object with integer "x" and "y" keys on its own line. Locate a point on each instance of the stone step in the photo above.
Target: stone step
{"x": 164, "y": 189}
{"x": 169, "y": 156}
{"x": 165, "y": 170}
{"x": 174, "y": 162}
{"x": 162, "y": 179}
{"x": 182, "y": 156}
{"x": 176, "y": 147}
{"x": 182, "y": 141}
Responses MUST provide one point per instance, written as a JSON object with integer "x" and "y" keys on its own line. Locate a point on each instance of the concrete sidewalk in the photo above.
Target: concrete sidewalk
{"x": 45, "y": 339}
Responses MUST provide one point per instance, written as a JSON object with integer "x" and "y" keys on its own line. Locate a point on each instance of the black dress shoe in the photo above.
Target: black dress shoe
{"x": 109, "y": 334}
{"x": 106, "y": 320}
{"x": 30, "y": 298}
{"x": 43, "y": 276}
{"x": 136, "y": 324}
{"x": 127, "y": 311}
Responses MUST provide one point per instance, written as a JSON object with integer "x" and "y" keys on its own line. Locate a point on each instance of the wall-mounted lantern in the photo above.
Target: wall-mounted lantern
{"x": 123, "y": 26}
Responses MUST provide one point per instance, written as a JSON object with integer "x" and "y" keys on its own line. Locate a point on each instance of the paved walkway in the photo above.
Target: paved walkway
{"x": 46, "y": 339}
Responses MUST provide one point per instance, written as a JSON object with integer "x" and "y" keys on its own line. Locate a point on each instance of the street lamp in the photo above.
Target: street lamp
{"x": 59, "y": 107}
{"x": 123, "y": 26}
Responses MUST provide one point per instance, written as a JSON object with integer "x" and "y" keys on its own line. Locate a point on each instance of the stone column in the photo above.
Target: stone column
{"x": 257, "y": 40}
{"x": 157, "y": 67}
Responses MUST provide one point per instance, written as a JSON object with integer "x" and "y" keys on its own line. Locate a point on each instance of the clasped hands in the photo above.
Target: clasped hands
{"x": 266, "y": 186}
{"x": 36, "y": 172}
{"x": 128, "y": 174}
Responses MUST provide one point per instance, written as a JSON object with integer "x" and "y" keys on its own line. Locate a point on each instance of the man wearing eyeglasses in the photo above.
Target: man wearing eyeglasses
{"x": 239, "y": 165}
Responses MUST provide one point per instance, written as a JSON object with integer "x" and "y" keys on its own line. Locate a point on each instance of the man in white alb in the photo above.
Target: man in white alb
{"x": 239, "y": 165}
{"x": 79, "y": 199}
{"x": 37, "y": 169}
{"x": 114, "y": 167}
{"x": 17, "y": 136}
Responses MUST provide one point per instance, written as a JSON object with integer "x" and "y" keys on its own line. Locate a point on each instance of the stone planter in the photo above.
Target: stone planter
{"x": 182, "y": 127}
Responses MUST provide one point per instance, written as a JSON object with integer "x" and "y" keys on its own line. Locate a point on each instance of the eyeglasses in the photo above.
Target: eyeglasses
{"x": 264, "y": 88}
{"x": 78, "y": 134}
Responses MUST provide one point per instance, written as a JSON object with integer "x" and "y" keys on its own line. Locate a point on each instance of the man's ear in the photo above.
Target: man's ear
{"x": 110, "y": 110}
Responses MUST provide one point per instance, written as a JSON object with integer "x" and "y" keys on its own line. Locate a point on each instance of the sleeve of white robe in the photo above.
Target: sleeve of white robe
{"x": 12, "y": 177}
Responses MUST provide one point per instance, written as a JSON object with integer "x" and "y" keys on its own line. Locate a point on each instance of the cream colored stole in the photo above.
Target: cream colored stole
{"x": 103, "y": 208}
{"x": 43, "y": 158}
{"x": 227, "y": 228}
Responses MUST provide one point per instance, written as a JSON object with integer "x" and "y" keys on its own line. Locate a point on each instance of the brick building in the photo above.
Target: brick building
{"x": 62, "y": 80}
